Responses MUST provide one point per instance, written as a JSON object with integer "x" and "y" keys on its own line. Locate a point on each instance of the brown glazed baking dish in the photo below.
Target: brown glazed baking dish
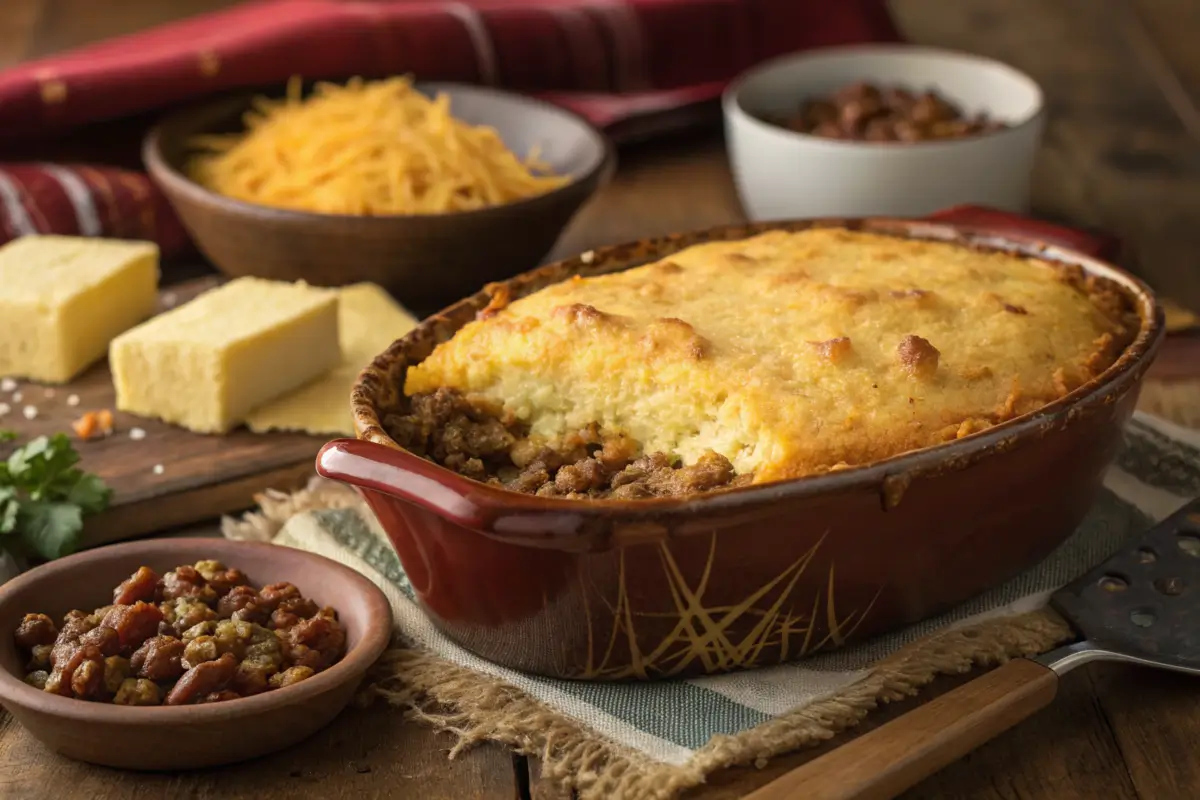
{"x": 758, "y": 575}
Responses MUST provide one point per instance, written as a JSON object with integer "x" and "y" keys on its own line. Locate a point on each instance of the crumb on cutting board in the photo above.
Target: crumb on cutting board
{"x": 94, "y": 424}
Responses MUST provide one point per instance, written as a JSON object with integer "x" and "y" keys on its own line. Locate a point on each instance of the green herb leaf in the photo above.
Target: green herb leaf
{"x": 10, "y": 504}
{"x": 89, "y": 493}
{"x": 43, "y": 466}
{"x": 43, "y": 495}
{"x": 51, "y": 529}
{"x": 7, "y": 436}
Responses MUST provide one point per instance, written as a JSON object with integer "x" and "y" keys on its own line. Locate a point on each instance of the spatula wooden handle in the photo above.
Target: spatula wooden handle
{"x": 884, "y": 762}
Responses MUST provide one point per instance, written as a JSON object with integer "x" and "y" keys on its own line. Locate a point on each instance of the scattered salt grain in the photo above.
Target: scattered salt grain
{"x": 158, "y": 469}
{"x": 8, "y": 385}
{"x": 48, "y": 393}
{"x": 588, "y": 257}
{"x": 73, "y": 400}
{"x": 137, "y": 434}
{"x": 4, "y": 409}
{"x": 17, "y": 396}
{"x": 168, "y": 299}
{"x": 30, "y": 412}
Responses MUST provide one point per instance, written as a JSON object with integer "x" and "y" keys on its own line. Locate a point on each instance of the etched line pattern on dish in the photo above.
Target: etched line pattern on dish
{"x": 706, "y": 635}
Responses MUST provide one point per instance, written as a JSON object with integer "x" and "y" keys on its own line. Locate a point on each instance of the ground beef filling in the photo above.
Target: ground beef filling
{"x": 483, "y": 444}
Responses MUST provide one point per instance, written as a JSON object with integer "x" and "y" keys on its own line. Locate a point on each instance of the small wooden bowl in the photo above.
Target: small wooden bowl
{"x": 426, "y": 260}
{"x": 188, "y": 737}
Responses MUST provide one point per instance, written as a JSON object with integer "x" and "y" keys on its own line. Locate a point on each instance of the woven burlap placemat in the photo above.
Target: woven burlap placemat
{"x": 477, "y": 707}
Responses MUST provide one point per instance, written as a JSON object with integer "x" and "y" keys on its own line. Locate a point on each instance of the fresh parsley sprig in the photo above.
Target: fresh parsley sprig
{"x": 44, "y": 496}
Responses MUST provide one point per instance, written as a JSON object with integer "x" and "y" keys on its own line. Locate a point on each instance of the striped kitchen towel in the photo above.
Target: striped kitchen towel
{"x": 644, "y": 740}
{"x": 636, "y": 68}
{"x": 609, "y": 60}
{"x": 86, "y": 200}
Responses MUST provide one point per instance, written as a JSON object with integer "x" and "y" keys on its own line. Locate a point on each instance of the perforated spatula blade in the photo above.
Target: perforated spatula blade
{"x": 1141, "y": 606}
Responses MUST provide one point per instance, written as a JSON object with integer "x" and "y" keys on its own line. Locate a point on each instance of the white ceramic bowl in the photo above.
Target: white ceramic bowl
{"x": 783, "y": 174}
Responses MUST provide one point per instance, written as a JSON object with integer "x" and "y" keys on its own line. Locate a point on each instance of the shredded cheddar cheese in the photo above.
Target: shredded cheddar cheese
{"x": 366, "y": 148}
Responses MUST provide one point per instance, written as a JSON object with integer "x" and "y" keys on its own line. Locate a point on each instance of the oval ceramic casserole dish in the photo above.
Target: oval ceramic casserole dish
{"x": 752, "y": 576}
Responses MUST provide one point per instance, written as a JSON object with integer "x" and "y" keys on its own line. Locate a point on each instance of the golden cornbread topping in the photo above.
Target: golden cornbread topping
{"x": 786, "y": 354}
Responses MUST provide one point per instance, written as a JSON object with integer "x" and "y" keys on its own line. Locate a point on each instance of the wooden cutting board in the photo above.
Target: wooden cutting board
{"x": 201, "y": 476}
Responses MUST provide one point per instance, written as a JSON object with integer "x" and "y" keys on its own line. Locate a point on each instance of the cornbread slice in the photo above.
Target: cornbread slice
{"x": 788, "y": 353}
{"x": 368, "y": 321}
{"x": 206, "y": 364}
{"x": 64, "y": 298}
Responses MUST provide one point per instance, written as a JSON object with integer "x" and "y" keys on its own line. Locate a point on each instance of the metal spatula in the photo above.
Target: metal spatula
{"x": 1142, "y": 606}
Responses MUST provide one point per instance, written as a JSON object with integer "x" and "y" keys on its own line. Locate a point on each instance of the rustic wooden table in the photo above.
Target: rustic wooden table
{"x": 1122, "y": 152}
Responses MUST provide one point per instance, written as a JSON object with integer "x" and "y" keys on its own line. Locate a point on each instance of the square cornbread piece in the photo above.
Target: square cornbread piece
{"x": 777, "y": 356}
{"x": 208, "y": 363}
{"x": 64, "y": 298}
{"x": 369, "y": 320}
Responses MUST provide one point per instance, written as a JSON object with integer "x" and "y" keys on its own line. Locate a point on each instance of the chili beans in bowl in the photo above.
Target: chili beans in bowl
{"x": 183, "y": 653}
{"x": 198, "y": 634}
{"x": 895, "y": 130}
{"x": 866, "y": 112}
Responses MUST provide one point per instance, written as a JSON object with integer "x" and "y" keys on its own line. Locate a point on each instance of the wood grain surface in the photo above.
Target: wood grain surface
{"x": 201, "y": 476}
{"x": 363, "y": 754}
{"x": 882, "y": 763}
{"x": 1122, "y": 78}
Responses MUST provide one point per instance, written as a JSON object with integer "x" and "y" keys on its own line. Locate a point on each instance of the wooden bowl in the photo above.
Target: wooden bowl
{"x": 745, "y": 577}
{"x": 426, "y": 260}
{"x": 188, "y": 737}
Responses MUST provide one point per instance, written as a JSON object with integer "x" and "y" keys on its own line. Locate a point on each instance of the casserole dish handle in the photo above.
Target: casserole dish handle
{"x": 981, "y": 219}
{"x": 371, "y": 467}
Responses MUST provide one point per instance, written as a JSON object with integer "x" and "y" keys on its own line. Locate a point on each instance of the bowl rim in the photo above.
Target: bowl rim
{"x": 16, "y": 693}
{"x": 600, "y": 166}
{"x": 457, "y": 492}
{"x": 733, "y": 107}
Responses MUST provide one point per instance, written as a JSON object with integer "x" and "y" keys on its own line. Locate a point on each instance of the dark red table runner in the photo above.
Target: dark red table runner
{"x": 613, "y": 61}
{"x": 605, "y": 58}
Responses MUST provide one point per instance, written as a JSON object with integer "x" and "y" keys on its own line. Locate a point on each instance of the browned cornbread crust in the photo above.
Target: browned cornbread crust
{"x": 786, "y": 354}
